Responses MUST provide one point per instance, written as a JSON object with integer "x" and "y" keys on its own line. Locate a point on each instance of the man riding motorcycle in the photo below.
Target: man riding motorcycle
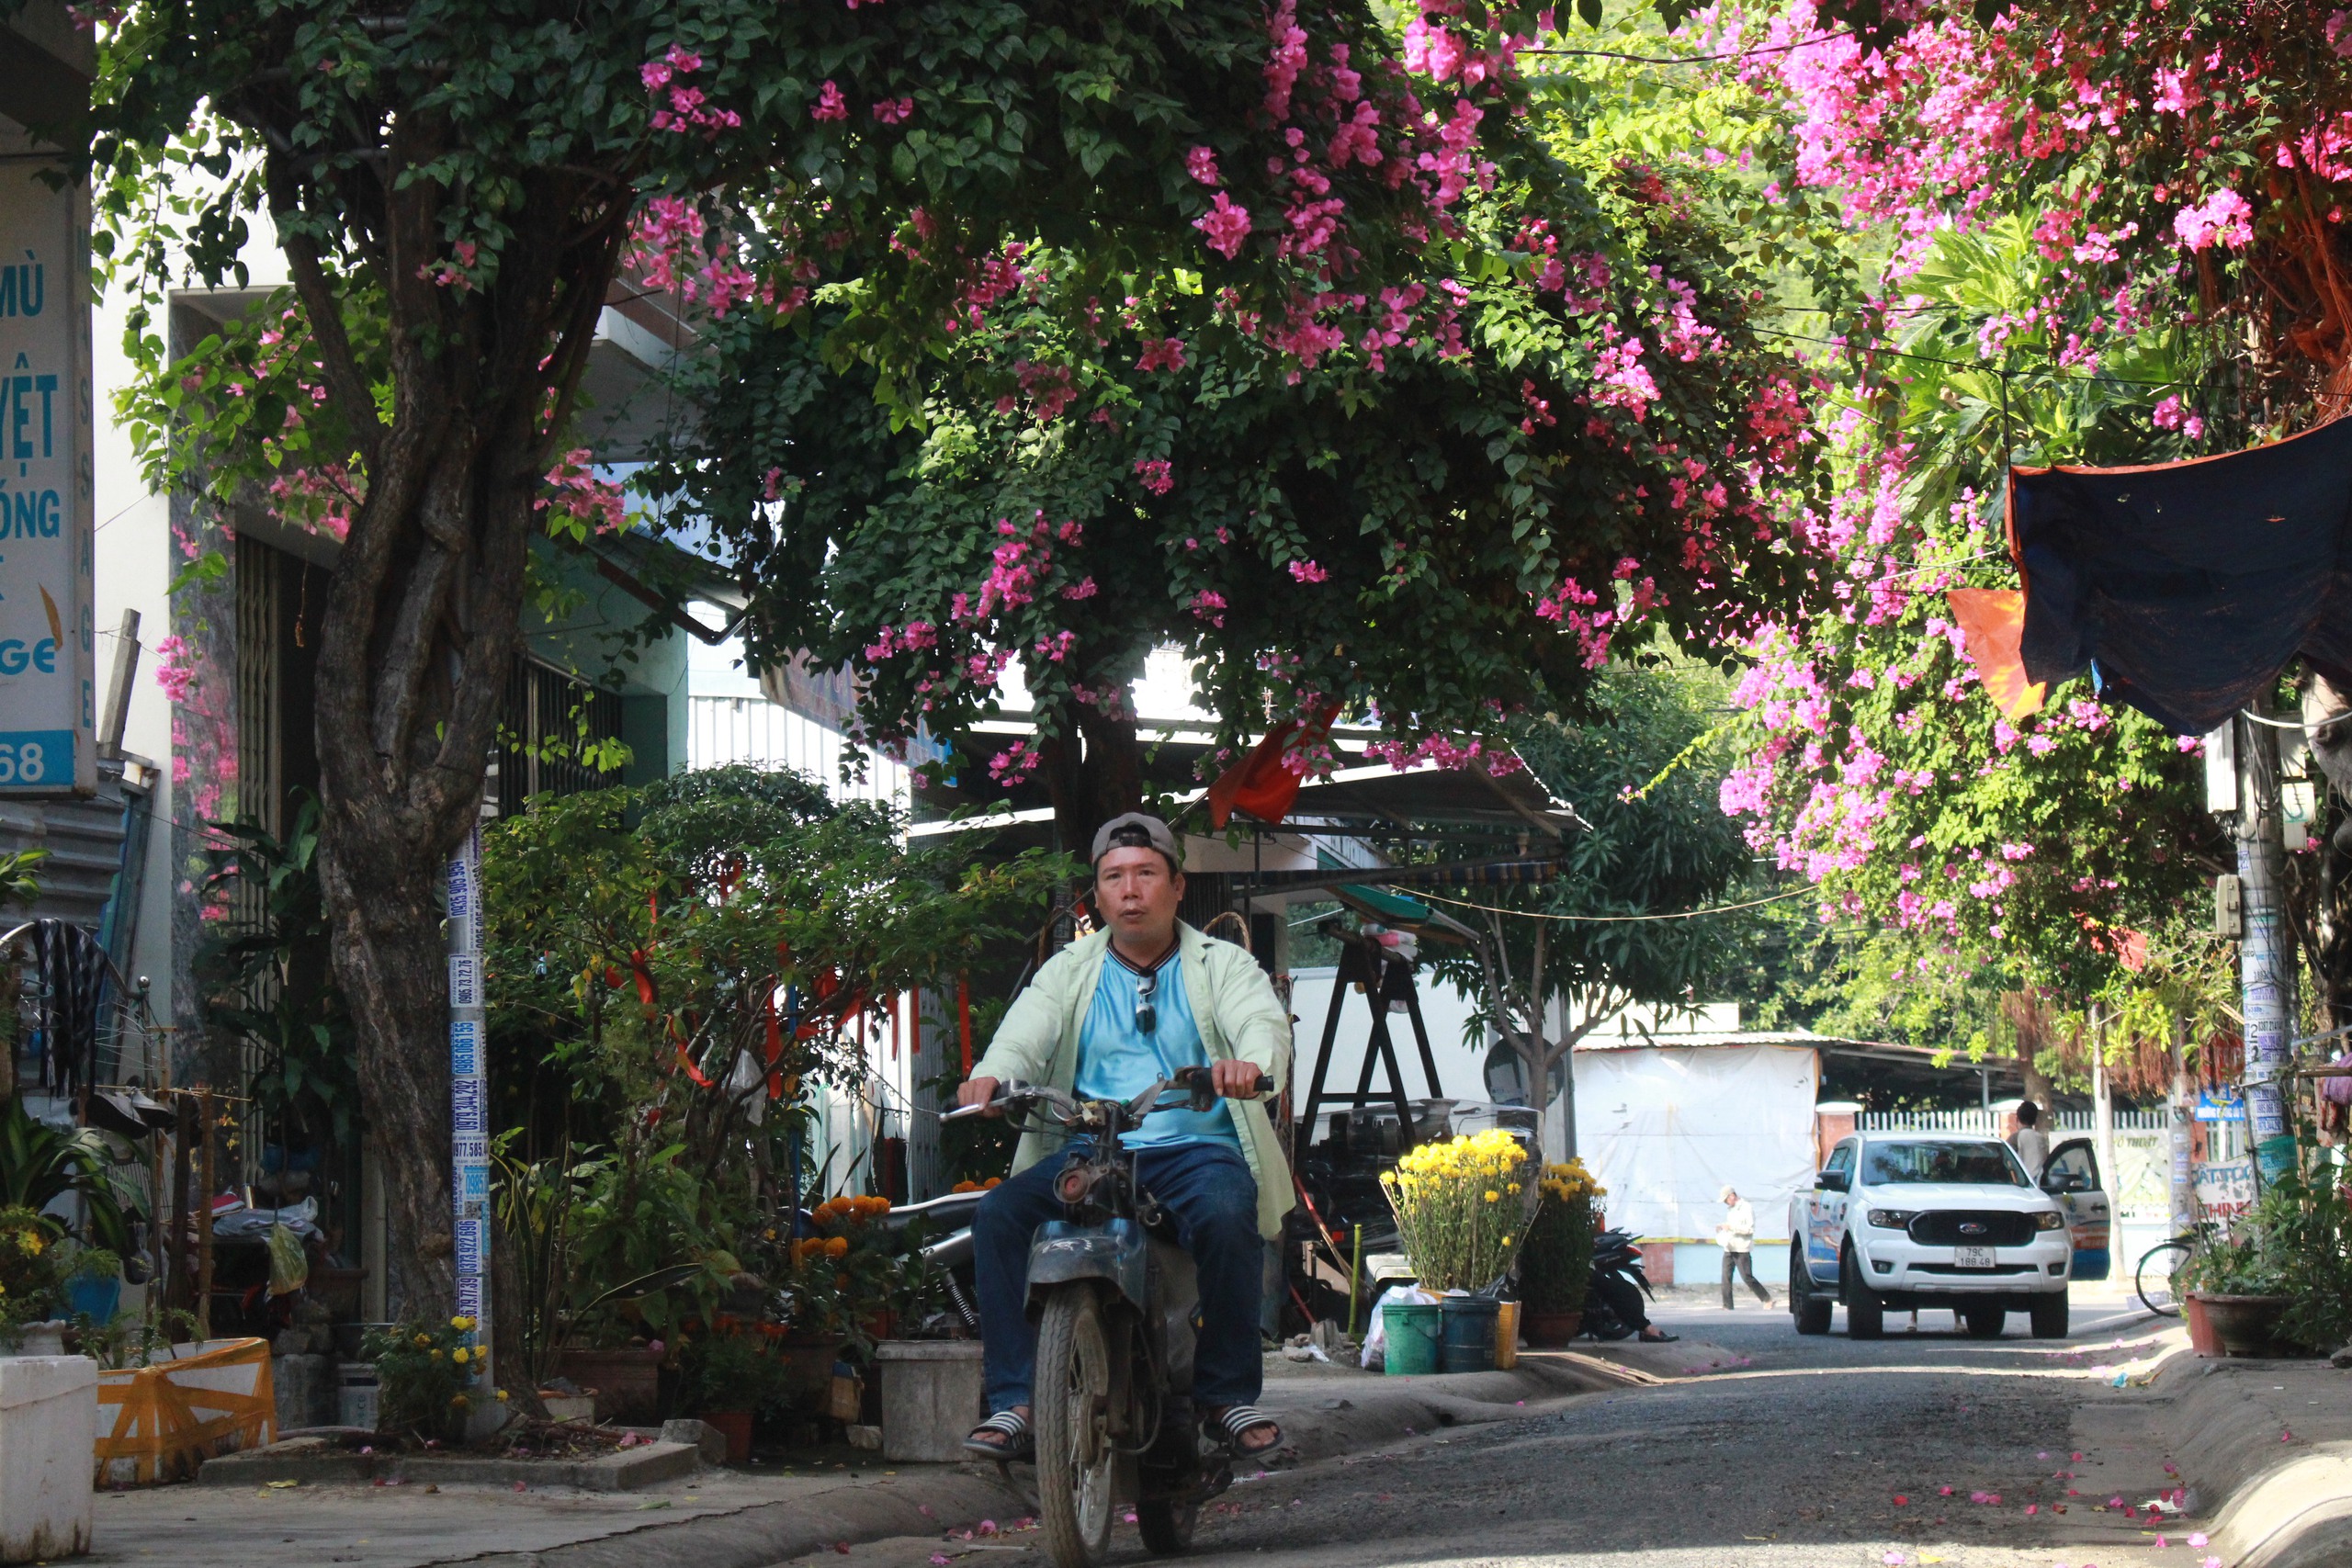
{"x": 1106, "y": 1018}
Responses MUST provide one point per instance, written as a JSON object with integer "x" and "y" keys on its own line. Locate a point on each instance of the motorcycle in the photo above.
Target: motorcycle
{"x": 1615, "y": 1283}
{"x": 1115, "y": 1298}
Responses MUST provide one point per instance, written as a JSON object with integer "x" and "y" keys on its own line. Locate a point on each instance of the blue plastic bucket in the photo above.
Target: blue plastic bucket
{"x": 95, "y": 1297}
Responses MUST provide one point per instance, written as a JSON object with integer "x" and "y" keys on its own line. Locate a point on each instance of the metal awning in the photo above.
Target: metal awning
{"x": 1375, "y": 797}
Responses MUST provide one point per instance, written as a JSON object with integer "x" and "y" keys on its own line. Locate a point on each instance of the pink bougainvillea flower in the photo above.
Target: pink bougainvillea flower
{"x": 1226, "y": 226}
{"x": 830, "y": 103}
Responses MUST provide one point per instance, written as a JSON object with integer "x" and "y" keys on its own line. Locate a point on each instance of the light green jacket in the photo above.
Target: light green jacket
{"x": 1234, "y": 1004}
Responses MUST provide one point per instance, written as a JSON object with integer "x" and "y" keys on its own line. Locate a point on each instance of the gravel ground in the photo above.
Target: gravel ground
{"x": 1796, "y": 1459}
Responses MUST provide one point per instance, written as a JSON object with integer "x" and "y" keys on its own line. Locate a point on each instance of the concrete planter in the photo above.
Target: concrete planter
{"x": 49, "y": 1434}
{"x": 2243, "y": 1324}
{"x": 931, "y": 1398}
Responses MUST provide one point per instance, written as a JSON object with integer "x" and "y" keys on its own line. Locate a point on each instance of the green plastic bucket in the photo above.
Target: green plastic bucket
{"x": 1413, "y": 1330}
{"x": 1467, "y": 1344}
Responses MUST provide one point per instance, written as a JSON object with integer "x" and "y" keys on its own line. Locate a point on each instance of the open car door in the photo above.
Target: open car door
{"x": 2073, "y": 1177}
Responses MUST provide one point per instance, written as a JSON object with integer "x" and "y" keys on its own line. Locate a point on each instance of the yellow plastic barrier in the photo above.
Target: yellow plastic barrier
{"x": 171, "y": 1415}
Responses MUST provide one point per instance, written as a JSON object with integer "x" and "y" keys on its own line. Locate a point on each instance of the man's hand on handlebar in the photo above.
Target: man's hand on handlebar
{"x": 978, "y": 1093}
{"x": 1238, "y": 1080}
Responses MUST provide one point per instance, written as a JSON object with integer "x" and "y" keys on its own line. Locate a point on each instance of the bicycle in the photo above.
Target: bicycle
{"x": 2152, "y": 1280}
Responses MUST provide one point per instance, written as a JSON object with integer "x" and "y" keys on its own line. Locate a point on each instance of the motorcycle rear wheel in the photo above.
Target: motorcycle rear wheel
{"x": 1077, "y": 1461}
{"x": 1166, "y": 1526}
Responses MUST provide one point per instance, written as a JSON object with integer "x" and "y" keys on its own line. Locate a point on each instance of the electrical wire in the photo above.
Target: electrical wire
{"x": 1696, "y": 59}
{"x": 2294, "y": 724}
{"x": 1611, "y": 919}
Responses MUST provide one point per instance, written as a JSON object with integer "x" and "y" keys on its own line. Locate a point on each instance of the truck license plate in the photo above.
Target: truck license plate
{"x": 1972, "y": 1256}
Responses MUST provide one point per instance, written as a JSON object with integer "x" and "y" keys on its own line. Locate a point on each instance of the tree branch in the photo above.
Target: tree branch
{"x": 347, "y": 386}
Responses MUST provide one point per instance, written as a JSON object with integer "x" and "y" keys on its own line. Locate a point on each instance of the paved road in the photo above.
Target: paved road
{"x": 1792, "y": 1461}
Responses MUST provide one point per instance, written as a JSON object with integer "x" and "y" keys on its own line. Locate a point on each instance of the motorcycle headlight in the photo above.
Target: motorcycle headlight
{"x": 1892, "y": 1219}
{"x": 2052, "y": 1220}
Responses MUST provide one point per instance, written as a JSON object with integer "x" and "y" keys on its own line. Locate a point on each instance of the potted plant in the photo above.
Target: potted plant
{"x": 1555, "y": 1261}
{"x": 30, "y": 1279}
{"x": 93, "y": 1282}
{"x": 424, "y": 1376}
{"x": 2233, "y": 1285}
{"x": 727, "y": 1375}
{"x": 1460, "y": 1212}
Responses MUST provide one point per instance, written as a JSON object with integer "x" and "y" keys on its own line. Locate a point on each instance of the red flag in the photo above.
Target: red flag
{"x": 963, "y": 1016}
{"x": 1261, "y": 784}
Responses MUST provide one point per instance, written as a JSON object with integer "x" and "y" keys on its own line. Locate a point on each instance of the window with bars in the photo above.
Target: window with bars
{"x": 549, "y": 734}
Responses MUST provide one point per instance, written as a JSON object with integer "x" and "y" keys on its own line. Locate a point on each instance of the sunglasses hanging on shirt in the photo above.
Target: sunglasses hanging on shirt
{"x": 1147, "y": 1015}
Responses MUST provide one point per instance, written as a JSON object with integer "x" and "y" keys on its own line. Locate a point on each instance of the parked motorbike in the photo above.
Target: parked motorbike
{"x": 945, "y": 1225}
{"x": 1115, "y": 1298}
{"x": 1615, "y": 1286}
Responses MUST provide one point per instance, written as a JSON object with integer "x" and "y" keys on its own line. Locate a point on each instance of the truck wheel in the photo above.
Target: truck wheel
{"x": 2049, "y": 1315}
{"x": 1985, "y": 1322}
{"x": 1865, "y": 1311}
{"x": 1810, "y": 1310}
{"x": 1077, "y": 1460}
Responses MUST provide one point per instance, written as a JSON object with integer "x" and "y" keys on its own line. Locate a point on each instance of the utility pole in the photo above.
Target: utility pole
{"x": 469, "y": 1120}
{"x": 2266, "y": 977}
{"x": 2103, "y": 1109}
{"x": 2182, "y": 1186}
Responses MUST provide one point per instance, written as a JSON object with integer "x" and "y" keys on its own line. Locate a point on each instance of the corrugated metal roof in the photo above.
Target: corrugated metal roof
{"x": 84, "y": 838}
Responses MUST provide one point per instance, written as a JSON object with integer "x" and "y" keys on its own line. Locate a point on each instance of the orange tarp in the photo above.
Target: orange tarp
{"x": 1990, "y": 622}
{"x": 168, "y": 1418}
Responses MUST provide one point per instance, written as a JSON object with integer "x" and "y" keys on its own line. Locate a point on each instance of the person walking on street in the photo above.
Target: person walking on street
{"x": 1737, "y": 1236}
{"x": 2032, "y": 1144}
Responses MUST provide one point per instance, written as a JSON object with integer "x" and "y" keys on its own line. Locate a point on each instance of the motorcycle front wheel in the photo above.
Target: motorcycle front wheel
{"x": 1077, "y": 1461}
{"x": 1166, "y": 1526}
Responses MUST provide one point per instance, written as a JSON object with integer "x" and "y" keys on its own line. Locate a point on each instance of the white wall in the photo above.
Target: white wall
{"x": 730, "y": 719}
{"x": 1445, "y": 1010}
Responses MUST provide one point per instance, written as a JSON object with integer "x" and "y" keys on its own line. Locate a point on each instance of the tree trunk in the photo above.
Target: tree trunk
{"x": 422, "y": 618}
{"x": 395, "y": 970}
{"x": 1094, "y": 783}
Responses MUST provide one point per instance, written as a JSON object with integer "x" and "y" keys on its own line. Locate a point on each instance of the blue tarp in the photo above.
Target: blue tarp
{"x": 2184, "y": 587}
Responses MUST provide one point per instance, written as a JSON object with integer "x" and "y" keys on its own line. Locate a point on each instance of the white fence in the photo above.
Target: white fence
{"x": 1988, "y": 1123}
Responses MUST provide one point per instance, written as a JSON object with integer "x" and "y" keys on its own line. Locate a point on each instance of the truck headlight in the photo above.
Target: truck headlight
{"x": 2050, "y": 1221}
{"x": 1892, "y": 1219}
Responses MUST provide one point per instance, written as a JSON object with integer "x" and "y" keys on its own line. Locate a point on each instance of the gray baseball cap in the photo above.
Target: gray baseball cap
{"x": 1152, "y": 828}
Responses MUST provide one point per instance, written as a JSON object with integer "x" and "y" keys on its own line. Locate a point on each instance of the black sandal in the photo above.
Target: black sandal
{"x": 1019, "y": 1442}
{"x": 1663, "y": 1337}
{"x": 1228, "y": 1425}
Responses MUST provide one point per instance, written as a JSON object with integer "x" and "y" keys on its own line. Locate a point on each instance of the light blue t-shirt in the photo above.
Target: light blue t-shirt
{"x": 1117, "y": 1061}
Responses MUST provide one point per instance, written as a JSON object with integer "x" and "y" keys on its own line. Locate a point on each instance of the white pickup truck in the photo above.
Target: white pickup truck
{"x": 1912, "y": 1220}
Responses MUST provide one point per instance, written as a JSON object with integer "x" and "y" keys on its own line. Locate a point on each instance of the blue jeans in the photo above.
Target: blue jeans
{"x": 1207, "y": 1190}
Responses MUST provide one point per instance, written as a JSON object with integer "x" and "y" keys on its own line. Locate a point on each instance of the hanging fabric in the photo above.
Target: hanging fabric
{"x": 2184, "y": 587}
{"x": 72, "y": 966}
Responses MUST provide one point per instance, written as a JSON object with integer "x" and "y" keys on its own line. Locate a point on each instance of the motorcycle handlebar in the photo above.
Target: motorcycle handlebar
{"x": 1013, "y": 1091}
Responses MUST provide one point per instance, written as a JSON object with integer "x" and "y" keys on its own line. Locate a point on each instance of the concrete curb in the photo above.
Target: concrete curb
{"x": 315, "y": 1462}
{"x": 1319, "y": 1419}
{"x": 2279, "y": 1505}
